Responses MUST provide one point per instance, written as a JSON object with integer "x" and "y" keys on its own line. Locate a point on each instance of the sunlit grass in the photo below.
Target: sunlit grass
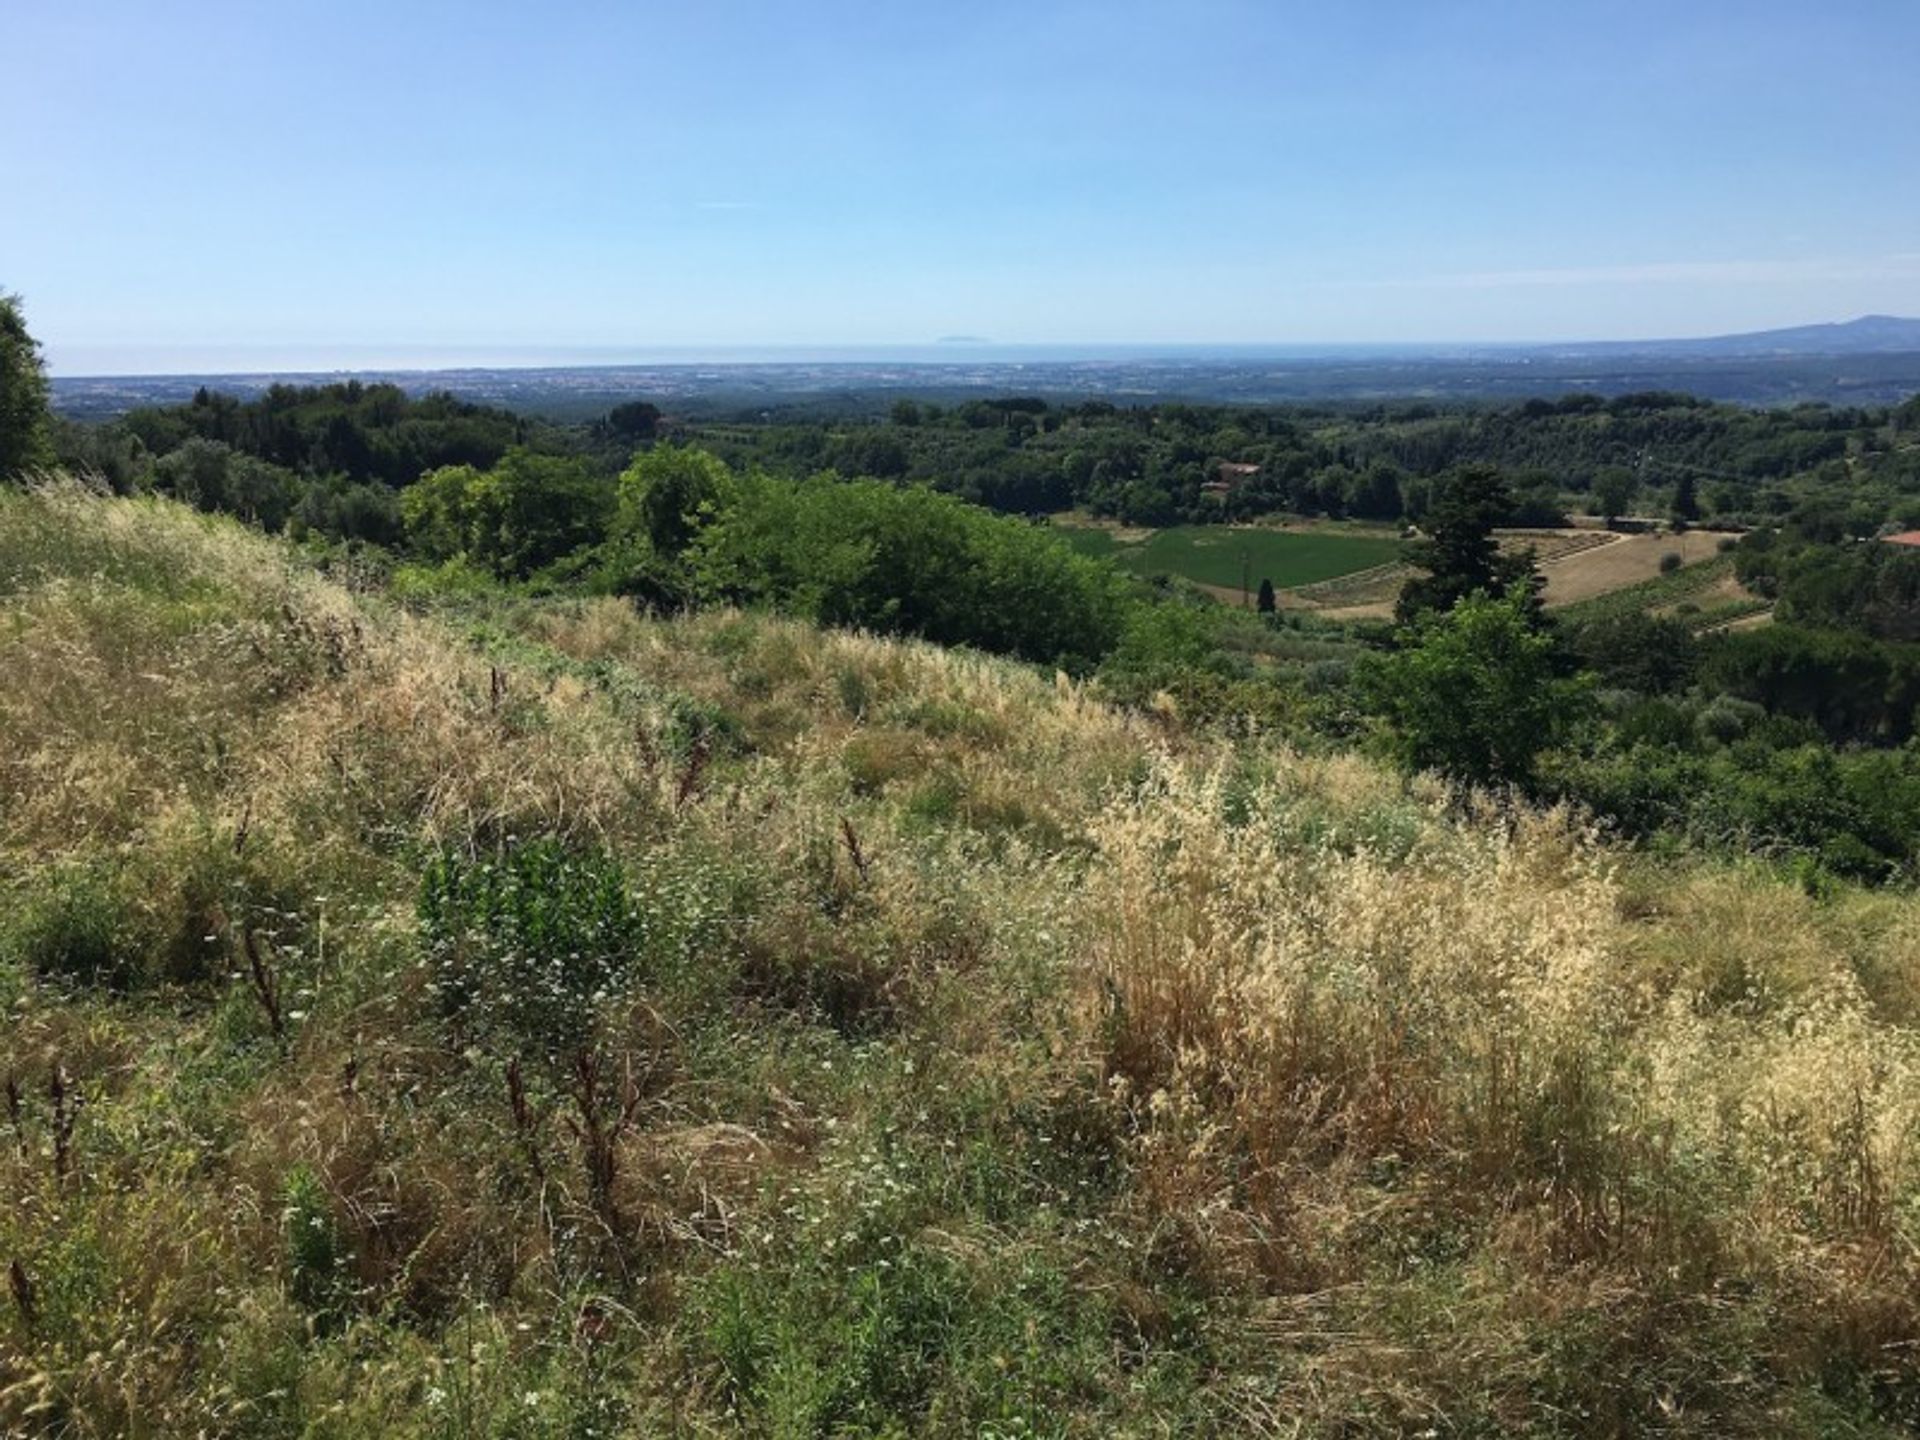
{"x": 993, "y": 1062}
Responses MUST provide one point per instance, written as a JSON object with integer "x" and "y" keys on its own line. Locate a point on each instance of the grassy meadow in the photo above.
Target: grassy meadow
{"x": 1223, "y": 555}
{"x": 489, "y": 1016}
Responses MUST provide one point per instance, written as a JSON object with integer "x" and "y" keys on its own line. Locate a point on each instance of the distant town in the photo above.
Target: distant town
{"x": 576, "y": 392}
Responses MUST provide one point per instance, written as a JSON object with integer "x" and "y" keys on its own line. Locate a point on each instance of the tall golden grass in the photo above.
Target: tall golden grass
{"x": 1456, "y": 1123}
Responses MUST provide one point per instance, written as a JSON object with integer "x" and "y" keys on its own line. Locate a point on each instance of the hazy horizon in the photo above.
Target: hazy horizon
{"x": 136, "y": 361}
{"x": 110, "y": 361}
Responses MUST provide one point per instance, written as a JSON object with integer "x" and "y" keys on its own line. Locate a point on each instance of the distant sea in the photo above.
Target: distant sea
{"x": 103, "y": 360}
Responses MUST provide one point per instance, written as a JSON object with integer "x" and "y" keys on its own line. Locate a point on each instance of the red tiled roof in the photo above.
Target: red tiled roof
{"x": 1905, "y": 537}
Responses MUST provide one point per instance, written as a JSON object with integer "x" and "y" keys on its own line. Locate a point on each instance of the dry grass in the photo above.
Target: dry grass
{"x": 1624, "y": 560}
{"x": 1029, "y": 1058}
{"x": 1578, "y": 565}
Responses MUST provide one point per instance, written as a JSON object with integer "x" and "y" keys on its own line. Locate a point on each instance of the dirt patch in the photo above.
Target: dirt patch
{"x": 1122, "y": 534}
{"x": 1226, "y": 595}
{"x": 1375, "y": 609}
{"x": 1622, "y": 560}
{"x": 1577, "y": 565}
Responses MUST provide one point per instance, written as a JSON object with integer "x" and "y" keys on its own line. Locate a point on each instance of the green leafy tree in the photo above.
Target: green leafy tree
{"x": 1614, "y": 488}
{"x": 1475, "y": 694}
{"x": 197, "y": 473}
{"x": 527, "y": 512}
{"x": 1459, "y": 550}
{"x": 363, "y": 432}
{"x": 1374, "y": 493}
{"x": 211, "y": 476}
{"x": 668, "y": 495}
{"x": 25, "y": 442}
{"x": 1648, "y": 654}
{"x": 1686, "y": 500}
{"x": 440, "y": 511}
{"x": 1266, "y": 602}
{"x": 635, "y": 420}
{"x": 903, "y": 559}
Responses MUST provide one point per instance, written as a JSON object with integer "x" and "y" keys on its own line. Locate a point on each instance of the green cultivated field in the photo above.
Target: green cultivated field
{"x": 1223, "y": 555}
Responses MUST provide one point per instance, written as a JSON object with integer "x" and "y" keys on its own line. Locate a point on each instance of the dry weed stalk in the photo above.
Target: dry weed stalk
{"x": 854, "y": 852}
{"x": 604, "y": 1111}
{"x": 525, "y": 1122}
{"x": 698, "y": 754}
{"x": 25, "y": 1296}
{"x": 64, "y": 1097}
{"x": 16, "y": 1120}
{"x": 265, "y": 985}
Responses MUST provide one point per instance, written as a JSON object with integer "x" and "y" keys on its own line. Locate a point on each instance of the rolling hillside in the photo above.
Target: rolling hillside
{"x": 530, "y": 1018}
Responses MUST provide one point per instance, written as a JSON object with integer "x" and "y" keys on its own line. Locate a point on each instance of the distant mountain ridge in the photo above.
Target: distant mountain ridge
{"x": 1868, "y": 335}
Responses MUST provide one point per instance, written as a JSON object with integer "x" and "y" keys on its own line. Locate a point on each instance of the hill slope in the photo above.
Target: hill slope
{"x": 1866, "y": 335}
{"x": 544, "y": 1020}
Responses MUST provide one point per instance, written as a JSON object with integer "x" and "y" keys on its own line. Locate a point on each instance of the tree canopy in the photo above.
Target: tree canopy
{"x": 1613, "y": 491}
{"x": 883, "y": 557}
{"x": 525, "y": 513}
{"x": 1459, "y": 551}
{"x": 1475, "y": 693}
{"x": 24, "y": 440}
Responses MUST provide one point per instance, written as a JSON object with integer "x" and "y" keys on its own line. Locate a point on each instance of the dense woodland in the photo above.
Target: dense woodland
{"x": 1655, "y": 453}
{"x": 1152, "y": 465}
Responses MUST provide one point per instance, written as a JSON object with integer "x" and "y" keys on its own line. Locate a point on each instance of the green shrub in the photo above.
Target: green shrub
{"x": 701, "y": 725}
{"x": 855, "y": 692}
{"x": 316, "y": 1258}
{"x": 1473, "y": 693}
{"x": 79, "y": 929}
{"x": 876, "y": 556}
{"x": 529, "y": 943}
{"x": 826, "y": 1353}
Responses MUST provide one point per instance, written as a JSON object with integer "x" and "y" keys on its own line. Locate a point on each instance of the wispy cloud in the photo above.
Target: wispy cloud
{"x": 1901, "y": 266}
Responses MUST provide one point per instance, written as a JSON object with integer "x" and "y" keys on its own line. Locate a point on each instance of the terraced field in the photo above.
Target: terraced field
{"x": 1620, "y": 561}
{"x": 1355, "y": 573}
{"x": 1582, "y": 568}
{"x": 1707, "y": 596}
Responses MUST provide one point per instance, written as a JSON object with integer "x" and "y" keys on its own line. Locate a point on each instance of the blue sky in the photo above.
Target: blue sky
{"x": 340, "y": 182}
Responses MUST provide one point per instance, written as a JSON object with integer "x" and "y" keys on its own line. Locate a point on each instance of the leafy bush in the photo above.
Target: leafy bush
{"x": 77, "y": 929}
{"x": 875, "y": 556}
{"x": 1853, "y": 687}
{"x": 529, "y": 943}
{"x": 316, "y": 1255}
{"x": 1474, "y": 695}
{"x": 529, "y": 511}
{"x": 1766, "y": 790}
